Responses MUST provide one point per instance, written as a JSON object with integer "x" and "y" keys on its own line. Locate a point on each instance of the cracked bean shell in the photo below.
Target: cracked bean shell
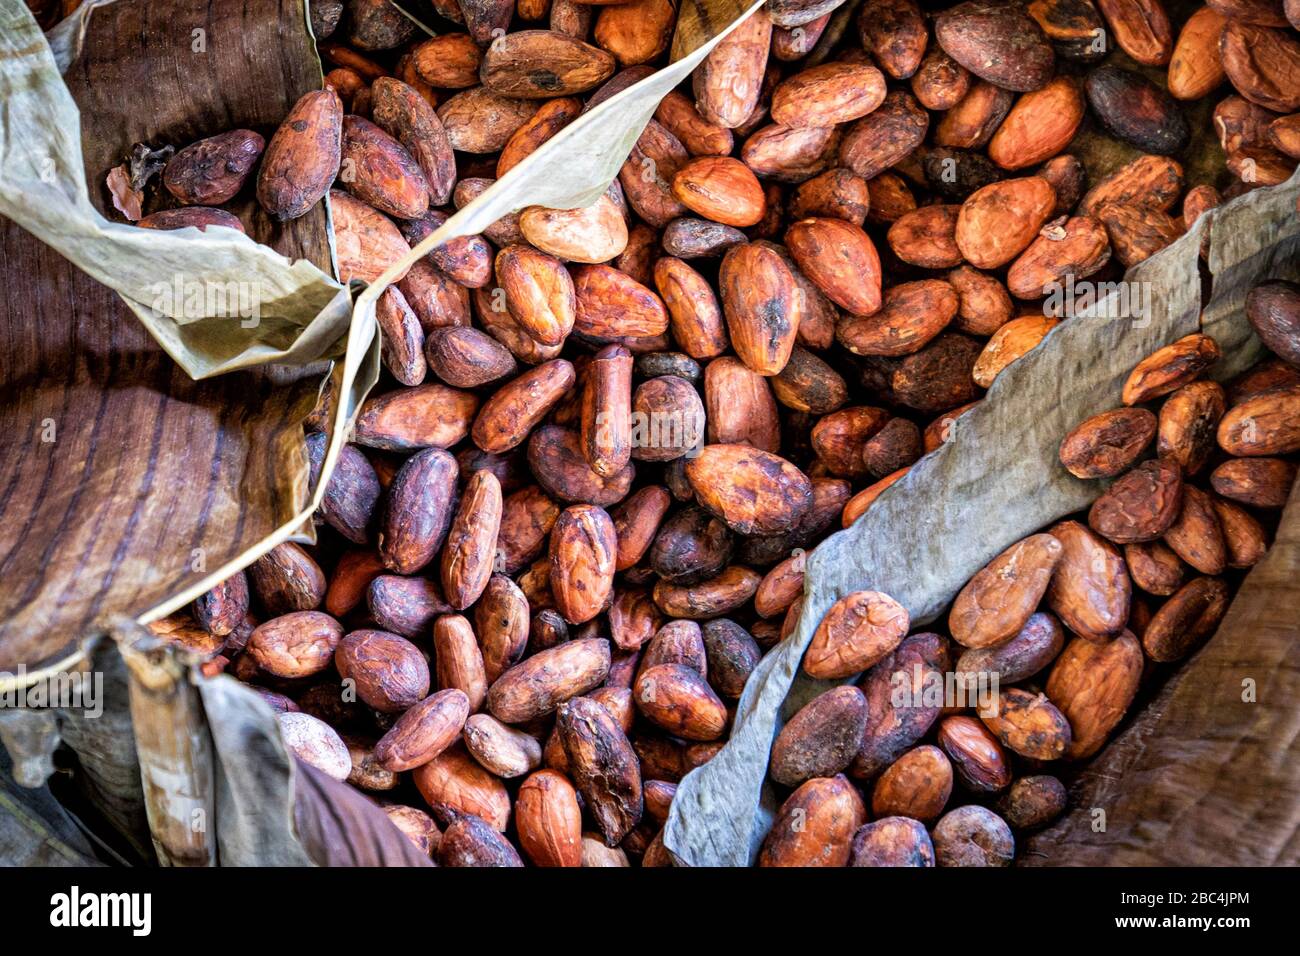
{"x": 211, "y": 171}
{"x": 1151, "y": 182}
{"x": 999, "y": 221}
{"x": 821, "y": 739}
{"x": 604, "y": 767}
{"x": 1141, "y": 505}
{"x": 1107, "y": 444}
{"x": 293, "y": 645}
{"x": 753, "y": 491}
{"x": 1186, "y": 620}
{"x": 1029, "y": 724}
{"x": 423, "y": 731}
{"x": 1263, "y": 64}
{"x": 815, "y": 825}
{"x": 1136, "y": 234}
{"x": 1090, "y": 589}
{"x": 893, "y": 725}
{"x": 582, "y": 552}
{"x": 1093, "y": 684}
{"x": 995, "y": 604}
{"x": 537, "y": 685}
{"x": 678, "y": 699}
{"x": 997, "y": 42}
{"x": 939, "y": 377}
{"x": 916, "y": 785}
{"x": 858, "y": 631}
{"x": 389, "y": 672}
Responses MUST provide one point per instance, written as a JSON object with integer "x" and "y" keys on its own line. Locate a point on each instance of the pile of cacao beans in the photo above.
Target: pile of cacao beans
{"x": 574, "y": 514}
{"x": 1047, "y": 647}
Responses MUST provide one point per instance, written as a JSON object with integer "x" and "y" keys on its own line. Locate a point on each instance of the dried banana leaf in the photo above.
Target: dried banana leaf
{"x": 35, "y": 830}
{"x": 127, "y": 482}
{"x": 167, "y": 74}
{"x": 275, "y": 811}
{"x": 999, "y": 479}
